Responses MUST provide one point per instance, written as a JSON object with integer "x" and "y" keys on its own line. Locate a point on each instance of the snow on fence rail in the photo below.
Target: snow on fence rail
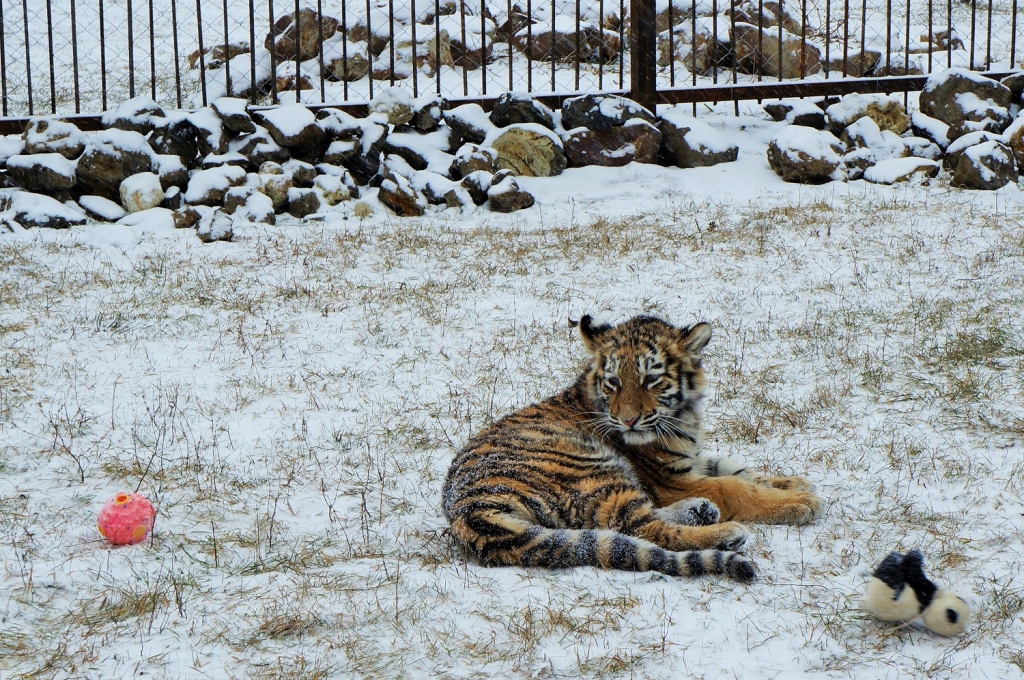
{"x": 84, "y": 56}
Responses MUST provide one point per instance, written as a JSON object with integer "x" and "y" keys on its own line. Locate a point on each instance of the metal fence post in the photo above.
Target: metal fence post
{"x": 643, "y": 45}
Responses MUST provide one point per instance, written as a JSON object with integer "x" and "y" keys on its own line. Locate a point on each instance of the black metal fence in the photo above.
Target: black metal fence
{"x": 85, "y": 56}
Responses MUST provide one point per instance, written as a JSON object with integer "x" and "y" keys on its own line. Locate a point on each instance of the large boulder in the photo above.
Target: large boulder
{"x": 864, "y": 133}
{"x": 45, "y": 172}
{"x": 111, "y": 157}
{"x": 601, "y": 111}
{"x": 514, "y": 108}
{"x": 295, "y": 127}
{"x": 689, "y": 143}
{"x": 299, "y": 34}
{"x": 759, "y": 53}
{"x": 932, "y": 129}
{"x": 233, "y": 113}
{"x": 208, "y": 187}
{"x": 529, "y": 150}
{"x": 468, "y": 123}
{"x": 1014, "y": 138}
{"x": 856, "y": 65}
{"x": 796, "y": 112}
{"x": 141, "y": 192}
{"x": 887, "y": 112}
{"x": 211, "y": 137}
{"x": 134, "y": 114}
{"x": 50, "y": 135}
{"x": 36, "y": 210}
{"x": 807, "y": 156}
{"x": 989, "y": 165}
{"x": 560, "y": 38}
{"x": 175, "y": 135}
{"x": 967, "y": 102}
{"x": 637, "y": 141}
{"x": 961, "y": 144}
{"x": 505, "y": 195}
{"x": 394, "y": 103}
{"x": 895, "y": 170}
{"x": 397, "y": 193}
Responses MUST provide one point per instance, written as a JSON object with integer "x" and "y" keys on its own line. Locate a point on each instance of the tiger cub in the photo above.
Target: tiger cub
{"x": 609, "y": 472}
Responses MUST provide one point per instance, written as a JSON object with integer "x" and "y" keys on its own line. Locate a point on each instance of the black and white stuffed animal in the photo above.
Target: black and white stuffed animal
{"x": 900, "y": 591}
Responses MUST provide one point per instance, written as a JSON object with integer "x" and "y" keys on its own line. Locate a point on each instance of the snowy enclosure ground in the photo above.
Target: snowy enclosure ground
{"x": 290, "y": 402}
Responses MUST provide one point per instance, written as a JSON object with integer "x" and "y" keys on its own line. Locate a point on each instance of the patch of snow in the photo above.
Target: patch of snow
{"x": 51, "y": 161}
{"x": 104, "y": 207}
{"x": 890, "y": 170}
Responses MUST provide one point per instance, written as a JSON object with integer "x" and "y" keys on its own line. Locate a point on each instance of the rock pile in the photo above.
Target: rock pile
{"x": 966, "y": 126}
{"x": 224, "y": 165}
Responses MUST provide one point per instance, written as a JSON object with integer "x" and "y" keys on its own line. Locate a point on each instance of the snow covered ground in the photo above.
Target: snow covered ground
{"x": 290, "y": 402}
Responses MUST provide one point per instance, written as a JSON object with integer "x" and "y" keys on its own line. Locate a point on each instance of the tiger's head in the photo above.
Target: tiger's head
{"x": 646, "y": 379}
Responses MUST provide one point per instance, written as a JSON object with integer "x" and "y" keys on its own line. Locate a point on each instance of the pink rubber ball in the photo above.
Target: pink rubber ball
{"x": 126, "y": 518}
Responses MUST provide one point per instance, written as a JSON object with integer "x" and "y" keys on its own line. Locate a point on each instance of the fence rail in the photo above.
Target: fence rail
{"x": 85, "y": 56}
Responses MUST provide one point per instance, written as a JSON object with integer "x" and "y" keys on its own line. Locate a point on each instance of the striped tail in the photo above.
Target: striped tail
{"x": 507, "y": 540}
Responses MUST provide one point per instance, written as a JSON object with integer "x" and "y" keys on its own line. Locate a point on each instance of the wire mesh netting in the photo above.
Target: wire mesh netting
{"x": 71, "y": 56}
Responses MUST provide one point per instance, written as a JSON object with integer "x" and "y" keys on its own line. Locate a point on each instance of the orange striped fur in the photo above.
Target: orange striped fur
{"x": 609, "y": 472}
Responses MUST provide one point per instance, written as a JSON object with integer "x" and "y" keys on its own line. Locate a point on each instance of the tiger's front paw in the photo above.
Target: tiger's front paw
{"x": 732, "y": 536}
{"x": 804, "y": 509}
{"x": 694, "y": 512}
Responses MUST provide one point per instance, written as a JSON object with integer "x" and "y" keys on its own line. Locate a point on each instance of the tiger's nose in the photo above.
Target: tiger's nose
{"x": 630, "y": 421}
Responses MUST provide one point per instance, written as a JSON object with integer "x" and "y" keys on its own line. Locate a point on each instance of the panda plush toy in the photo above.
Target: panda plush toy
{"x": 899, "y": 591}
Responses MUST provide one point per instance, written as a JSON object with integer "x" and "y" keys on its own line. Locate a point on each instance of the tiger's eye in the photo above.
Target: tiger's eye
{"x": 651, "y": 380}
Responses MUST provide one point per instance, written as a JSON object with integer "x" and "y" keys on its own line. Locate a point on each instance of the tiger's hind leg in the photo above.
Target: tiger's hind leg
{"x": 712, "y": 466}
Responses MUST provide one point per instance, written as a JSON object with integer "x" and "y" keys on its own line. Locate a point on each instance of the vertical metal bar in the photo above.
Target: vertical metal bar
{"x": 888, "y": 34}
{"x": 949, "y": 27}
{"x": 3, "y": 61}
{"x": 714, "y": 36}
{"x": 437, "y": 42}
{"x": 131, "y": 50}
{"x": 552, "y": 45}
{"x": 49, "y": 41}
{"x": 465, "y": 48}
{"x": 864, "y": 24}
{"x": 511, "y": 41}
{"x": 415, "y": 66}
{"x": 344, "y": 51}
{"x": 846, "y": 36}
{"x": 643, "y": 61}
{"x": 760, "y": 42}
{"x": 152, "y": 55}
{"x": 600, "y": 33}
{"x": 228, "y": 90}
{"x": 988, "y": 42}
{"x": 803, "y": 38}
{"x": 693, "y": 50}
{"x": 252, "y": 49}
{"x": 1013, "y": 35}
{"x": 828, "y": 35}
{"x": 273, "y": 54}
{"x": 391, "y": 38}
{"x": 483, "y": 48}
{"x": 622, "y": 43}
{"x": 177, "y": 56}
{"x": 577, "y": 59}
{"x": 28, "y": 57}
{"x": 369, "y": 41}
{"x": 931, "y": 32}
{"x": 906, "y": 46}
{"x": 320, "y": 63}
{"x": 529, "y": 45}
{"x": 103, "y": 56}
{"x": 202, "y": 56}
{"x": 298, "y": 52}
{"x": 974, "y": 18}
{"x": 732, "y": 31}
{"x": 74, "y": 55}
{"x": 779, "y": 65}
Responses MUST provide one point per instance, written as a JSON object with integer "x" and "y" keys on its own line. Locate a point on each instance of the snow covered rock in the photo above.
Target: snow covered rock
{"x": 237, "y": 196}
{"x": 698, "y": 52}
{"x": 434, "y": 187}
{"x": 961, "y": 144}
{"x": 215, "y": 225}
{"x": 141, "y": 192}
{"x": 505, "y": 195}
{"x": 299, "y": 34}
{"x": 864, "y": 133}
{"x": 302, "y": 202}
{"x": 134, "y": 115}
{"x": 233, "y": 113}
{"x": 893, "y": 170}
{"x": 559, "y": 38}
{"x": 50, "y": 135}
{"x": 332, "y": 189}
{"x": 365, "y": 163}
{"x": 898, "y": 65}
{"x": 101, "y": 209}
{"x": 216, "y": 160}
{"x": 258, "y": 209}
{"x": 922, "y": 148}
{"x": 1014, "y": 138}
{"x": 171, "y": 172}
{"x": 477, "y": 184}
{"x": 346, "y": 63}
{"x": 275, "y": 187}
{"x": 259, "y": 147}
{"x": 638, "y": 141}
{"x": 397, "y": 193}
{"x": 529, "y": 150}
{"x": 175, "y": 135}
{"x": 514, "y": 108}
{"x": 111, "y": 157}
{"x": 394, "y": 102}
{"x": 857, "y": 65}
{"x": 689, "y": 143}
{"x": 35, "y": 210}
{"x": 187, "y": 217}
{"x": 989, "y": 165}
{"x": 293, "y": 126}
{"x": 468, "y": 123}
{"x": 470, "y": 158}
{"x": 174, "y": 198}
{"x": 858, "y": 161}
{"x": 930, "y": 128}
{"x": 796, "y": 112}
{"x": 805, "y": 155}
{"x": 207, "y": 187}
{"x": 761, "y": 55}
{"x": 303, "y": 174}
{"x": 1015, "y": 83}
{"x": 600, "y": 111}
{"x": 427, "y": 113}
{"x": 340, "y": 151}
{"x": 966, "y": 101}
{"x": 887, "y": 112}
{"x": 210, "y": 135}
{"x": 46, "y": 172}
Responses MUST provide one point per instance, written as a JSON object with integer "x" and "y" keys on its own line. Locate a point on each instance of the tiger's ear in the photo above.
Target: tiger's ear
{"x": 591, "y": 333}
{"x": 694, "y": 342}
